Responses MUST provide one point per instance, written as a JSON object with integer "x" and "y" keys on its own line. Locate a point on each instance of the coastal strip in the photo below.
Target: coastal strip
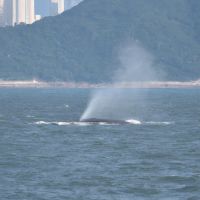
{"x": 59, "y": 84}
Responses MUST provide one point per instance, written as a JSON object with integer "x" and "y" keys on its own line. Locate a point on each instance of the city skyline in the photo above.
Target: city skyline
{"x": 42, "y": 7}
{"x": 17, "y": 11}
{"x": 14, "y": 12}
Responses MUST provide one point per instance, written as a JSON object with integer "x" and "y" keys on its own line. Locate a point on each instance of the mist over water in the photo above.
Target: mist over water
{"x": 137, "y": 64}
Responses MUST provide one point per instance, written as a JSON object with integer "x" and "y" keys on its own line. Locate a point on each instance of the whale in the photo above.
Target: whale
{"x": 109, "y": 121}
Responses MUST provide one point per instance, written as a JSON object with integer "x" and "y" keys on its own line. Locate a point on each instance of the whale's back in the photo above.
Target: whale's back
{"x": 110, "y": 121}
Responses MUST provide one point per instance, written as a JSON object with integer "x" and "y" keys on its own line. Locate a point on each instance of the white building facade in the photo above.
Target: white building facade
{"x": 30, "y": 11}
{"x": 21, "y": 11}
{"x": 1, "y": 12}
{"x": 14, "y": 12}
{"x": 61, "y": 6}
{"x": 25, "y": 11}
{"x": 56, "y": 7}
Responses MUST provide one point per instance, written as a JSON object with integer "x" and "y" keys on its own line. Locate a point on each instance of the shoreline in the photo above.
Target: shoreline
{"x": 84, "y": 85}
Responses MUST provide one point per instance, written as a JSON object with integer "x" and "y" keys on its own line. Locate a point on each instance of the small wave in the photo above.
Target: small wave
{"x": 133, "y": 121}
{"x": 159, "y": 123}
{"x": 42, "y": 122}
{"x": 72, "y": 123}
{"x": 53, "y": 123}
{"x": 62, "y": 123}
{"x": 30, "y": 116}
{"x": 81, "y": 123}
{"x": 105, "y": 124}
{"x": 76, "y": 123}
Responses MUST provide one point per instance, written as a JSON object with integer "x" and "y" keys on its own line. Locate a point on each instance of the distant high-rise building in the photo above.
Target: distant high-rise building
{"x": 1, "y": 12}
{"x": 53, "y": 7}
{"x": 14, "y": 12}
{"x": 21, "y": 11}
{"x": 30, "y": 11}
{"x": 56, "y": 7}
{"x": 9, "y": 14}
{"x": 61, "y": 6}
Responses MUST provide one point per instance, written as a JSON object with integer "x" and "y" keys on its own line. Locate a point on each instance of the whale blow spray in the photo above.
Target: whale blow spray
{"x": 136, "y": 65}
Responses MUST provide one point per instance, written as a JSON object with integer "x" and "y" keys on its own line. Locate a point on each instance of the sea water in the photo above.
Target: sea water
{"x": 46, "y": 154}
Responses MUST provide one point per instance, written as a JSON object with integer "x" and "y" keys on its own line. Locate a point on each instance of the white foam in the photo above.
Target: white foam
{"x": 62, "y": 123}
{"x": 82, "y": 123}
{"x": 133, "y": 121}
{"x": 130, "y": 121}
{"x": 29, "y": 116}
{"x": 103, "y": 123}
{"x": 42, "y": 122}
{"x": 107, "y": 124}
{"x": 159, "y": 123}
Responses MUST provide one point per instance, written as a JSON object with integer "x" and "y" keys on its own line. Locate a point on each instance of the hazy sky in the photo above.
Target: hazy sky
{"x": 42, "y": 5}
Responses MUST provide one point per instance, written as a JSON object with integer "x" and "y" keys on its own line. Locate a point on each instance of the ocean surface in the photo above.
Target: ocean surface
{"x": 47, "y": 154}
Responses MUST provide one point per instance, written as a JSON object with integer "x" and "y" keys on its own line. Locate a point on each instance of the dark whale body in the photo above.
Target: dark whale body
{"x": 109, "y": 121}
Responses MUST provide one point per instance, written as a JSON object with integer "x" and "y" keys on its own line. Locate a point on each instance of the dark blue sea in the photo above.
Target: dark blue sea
{"x": 47, "y": 154}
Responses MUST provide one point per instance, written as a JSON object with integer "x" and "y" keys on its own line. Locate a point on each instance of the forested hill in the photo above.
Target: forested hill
{"x": 81, "y": 44}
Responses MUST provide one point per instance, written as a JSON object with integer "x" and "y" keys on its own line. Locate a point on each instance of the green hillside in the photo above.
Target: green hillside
{"x": 81, "y": 44}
